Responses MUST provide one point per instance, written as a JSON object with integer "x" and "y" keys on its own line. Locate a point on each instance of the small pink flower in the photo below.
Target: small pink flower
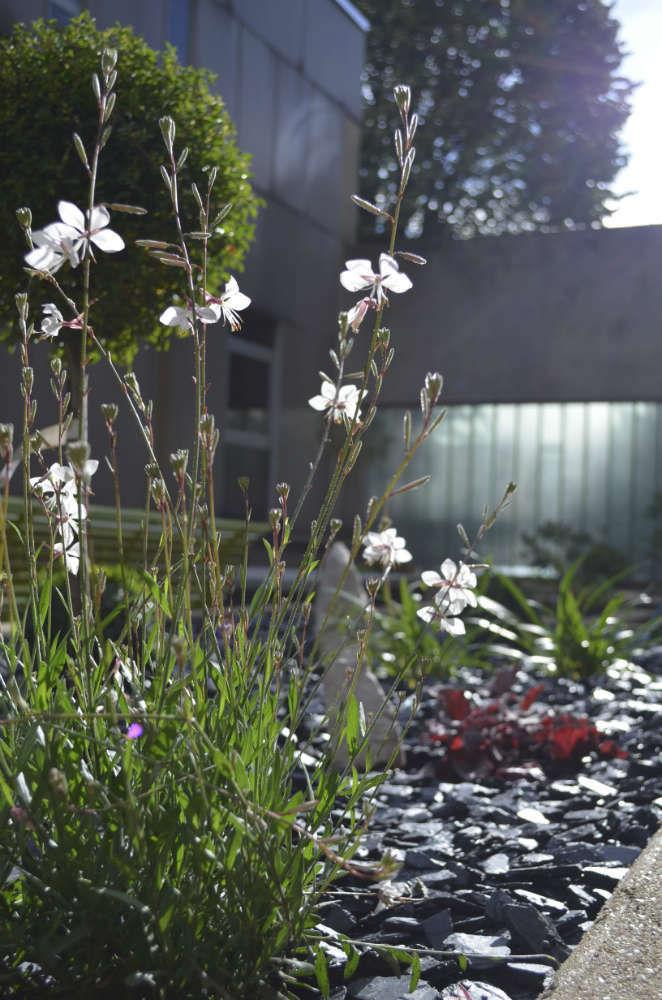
{"x": 134, "y": 731}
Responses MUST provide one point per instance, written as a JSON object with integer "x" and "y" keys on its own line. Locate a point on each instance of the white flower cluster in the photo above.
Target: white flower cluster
{"x": 226, "y": 307}
{"x": 344, "y": 401}
{"x": 68, "y": 239}
{"x": 59, "y": 492}
{"x": 455, "y": 590}
{"x": 385, "y": 548}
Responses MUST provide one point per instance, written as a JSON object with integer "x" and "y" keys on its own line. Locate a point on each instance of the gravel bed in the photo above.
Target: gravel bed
{"x": 500, "y": 861}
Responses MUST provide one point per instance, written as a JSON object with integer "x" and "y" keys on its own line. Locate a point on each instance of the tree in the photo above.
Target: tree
{"x": 45, "y": 96}
{"x": 522, "y": 105}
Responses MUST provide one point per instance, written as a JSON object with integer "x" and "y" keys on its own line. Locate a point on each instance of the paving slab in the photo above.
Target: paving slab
{"x": 620, "y": 958}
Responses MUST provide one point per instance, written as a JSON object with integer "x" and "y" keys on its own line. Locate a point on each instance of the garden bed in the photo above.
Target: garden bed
{"x": 507, "y": 846}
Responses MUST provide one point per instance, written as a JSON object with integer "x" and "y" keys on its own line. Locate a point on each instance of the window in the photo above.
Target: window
{"x": 179, "y": 27}
{"x": 63, "y": 10}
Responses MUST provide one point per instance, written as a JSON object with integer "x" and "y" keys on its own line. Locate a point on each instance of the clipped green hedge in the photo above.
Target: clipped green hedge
{"x": 45, "y": 96}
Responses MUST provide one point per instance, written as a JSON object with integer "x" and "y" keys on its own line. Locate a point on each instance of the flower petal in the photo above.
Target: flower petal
{"x": 99, "y": 217}
{"x": 318, "y": 403}
{"x": 448, "y": 569}
{"x": 431, "y": 579}
{"x": 108, "y": 240}
{"x": 174, "y": 316}
{"x": 71, "y": 215}
{"x": 355, "y": 281}
{"x": 454, "y": 626}
{"x": 427, "y": 613}
{"x": 397, "y": 283}
{"x": 238, "y": 301}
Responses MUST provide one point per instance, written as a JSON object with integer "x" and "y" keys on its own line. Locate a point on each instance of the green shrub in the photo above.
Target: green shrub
{"x": 45, "y": 76}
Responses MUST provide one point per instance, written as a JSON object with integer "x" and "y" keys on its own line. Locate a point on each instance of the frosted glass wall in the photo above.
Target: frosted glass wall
{"x": 594, "y": 466}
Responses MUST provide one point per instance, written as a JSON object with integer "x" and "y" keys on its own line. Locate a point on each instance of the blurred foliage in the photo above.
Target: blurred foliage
{"x": 45, "y": 96}
{"x": 555, "y": 545}
{"x": 522, "y": 102}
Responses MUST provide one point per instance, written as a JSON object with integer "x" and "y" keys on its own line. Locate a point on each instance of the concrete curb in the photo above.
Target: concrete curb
{"x": 620, "y": 958}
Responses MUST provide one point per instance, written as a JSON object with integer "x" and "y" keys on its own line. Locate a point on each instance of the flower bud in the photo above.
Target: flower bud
{"x": 109, "y": 411}
{"x": 179, "y": 462}
{"x": 282, "y": 491}
{"x": 433, "y": 384}
{"x": 167, "y": 126}
{"x": 6, "y": 437}
{"x": 28, "y": 380}
{"x": 21, "y": 300}
{"x": 274, "y": 518}
{"x": 402, "y": 94}
{"x": 78, "y": 453}
{"x": 56, "y": 367}
{"x": 152, "y": 470}
{"x": 244, "y": 482}
{"x": 24, "y": 216}
{"x": 108, "y": 61}
{"x": 372, "y": 585}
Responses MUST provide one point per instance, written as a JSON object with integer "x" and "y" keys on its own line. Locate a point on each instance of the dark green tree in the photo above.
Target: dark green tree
{"x": 522, "y": 105}
{"x": 46, "y": 96}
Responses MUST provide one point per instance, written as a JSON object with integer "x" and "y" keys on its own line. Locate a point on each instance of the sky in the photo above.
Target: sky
{"x": 641, "y": 33}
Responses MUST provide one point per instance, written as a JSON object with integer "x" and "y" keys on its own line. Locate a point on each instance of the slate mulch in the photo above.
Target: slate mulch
{"x": 508, "y": 851}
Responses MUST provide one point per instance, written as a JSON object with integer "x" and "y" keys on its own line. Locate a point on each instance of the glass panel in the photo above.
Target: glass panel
{"x": 248, "y": 394}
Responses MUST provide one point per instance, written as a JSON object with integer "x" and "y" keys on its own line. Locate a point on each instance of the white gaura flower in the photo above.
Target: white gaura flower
{"x": 229, "y": 304}
{"x": 345, "y": 402}
{"x": 447, "y": 622}
{"x": 59, "y": 492}
{"x": 357, "y": 313}
{"x": 52, "y": 322}
{"x": 71, "y": 555}
{"x": 385, "y": 548}
{"x": 69, "y": 238}
{"x": 183, "y": 318}
{"x": 455, "y": 586}
{"x": 359, "y": 276}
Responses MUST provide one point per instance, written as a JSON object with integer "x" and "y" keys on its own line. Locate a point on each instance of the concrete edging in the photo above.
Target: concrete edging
{"x": 620, "y": 957}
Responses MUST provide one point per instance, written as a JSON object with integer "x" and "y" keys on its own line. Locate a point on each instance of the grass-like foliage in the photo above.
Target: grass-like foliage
{"x": 168, "y": 815}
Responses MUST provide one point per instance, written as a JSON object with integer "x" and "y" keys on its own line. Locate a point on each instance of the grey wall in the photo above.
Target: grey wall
{"x": 548, "y": 317}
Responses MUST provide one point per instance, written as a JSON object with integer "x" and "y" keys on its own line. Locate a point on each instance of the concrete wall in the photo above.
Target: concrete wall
{"x": 571, "y": 316}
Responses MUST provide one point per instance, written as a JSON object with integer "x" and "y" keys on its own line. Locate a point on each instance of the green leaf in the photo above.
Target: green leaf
{"x": 322, "y": 973}
{"x": 415, "y": 971}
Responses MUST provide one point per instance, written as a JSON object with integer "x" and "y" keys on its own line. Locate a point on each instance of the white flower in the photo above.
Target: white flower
{"x": 231, "y": 302}
{"x": 59, "y": 492}
{"x": 356, "y": 314}
{"x": 347, "y": 401}
{"x": 385, "y": 548}
{"x": 447, "y": 622}
{"x": 69, "y": 238}
{"x": 359, "y": 275}
{"x": 52, "y": 321}
{"x": 183, "y": 318}
{"x": 455, "y": 586}
{"x": 71, "y": 556}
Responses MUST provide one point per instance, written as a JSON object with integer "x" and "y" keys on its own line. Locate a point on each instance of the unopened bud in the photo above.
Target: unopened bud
{"x": 274, "y": 518}
{"x": 283, "y": 491}
{"x": 179, "y": 462}
{"x": 433, "y": 383}
{"x": 167, "y": 126}
{"x": 28, "y": 380}
{"x": 152, "y": 471}
{"x": 78, "y": 453}
{"x": 402, "y": 94}
{"x": 56, "y": 367}
{"x": 108, "y": 60}
{"x": 24, "y": 217}
{"x": 244, "y": 482}
{"x": 372, "y": 585}
{"x": 109, "y": 411}
{"x": 21, "y": 300}
{"x": 6, "y": 437}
